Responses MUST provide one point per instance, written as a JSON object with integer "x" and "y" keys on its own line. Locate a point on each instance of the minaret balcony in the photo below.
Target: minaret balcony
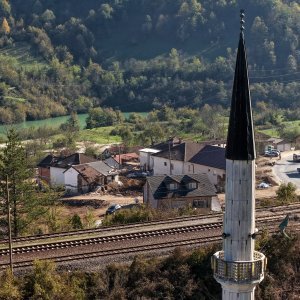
{"x": 239, "y": 271}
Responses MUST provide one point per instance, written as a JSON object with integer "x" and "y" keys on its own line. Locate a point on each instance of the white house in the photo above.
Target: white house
{"x": 86, "y": 177}
{"x": 192, "y": 158}
{"x": 146, "y": 159}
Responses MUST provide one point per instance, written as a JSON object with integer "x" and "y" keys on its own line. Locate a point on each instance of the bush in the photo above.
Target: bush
{"x": 286, "y": 193}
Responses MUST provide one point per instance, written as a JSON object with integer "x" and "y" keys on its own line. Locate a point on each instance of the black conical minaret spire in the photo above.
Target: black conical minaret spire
{"x": 240, "y": 138}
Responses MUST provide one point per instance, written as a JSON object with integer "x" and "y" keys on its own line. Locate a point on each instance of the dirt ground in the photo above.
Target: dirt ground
{"x": 104, "y": 201}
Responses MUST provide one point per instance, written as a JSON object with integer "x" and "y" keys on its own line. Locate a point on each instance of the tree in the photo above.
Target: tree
{"x": 70, "y": 130}
{"x": 126, "y": 135}
{"x": 28, "y": 205}
{"x": 102, "y": 117}
{"x": 44, "y": 282}
{"x": 5, "y": 27}
{"x": 286, "y": 193}
{"x": 291, "y": 63}
{"x": 8, "y": 287}
{"x": 14, "y": 168}
{"x": 76, "y": 222}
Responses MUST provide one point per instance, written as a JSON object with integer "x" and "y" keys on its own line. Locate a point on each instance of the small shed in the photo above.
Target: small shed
{"x": 280, "y": 144}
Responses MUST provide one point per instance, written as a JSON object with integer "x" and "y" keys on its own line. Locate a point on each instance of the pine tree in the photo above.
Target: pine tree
{"x": 14, "y": 169}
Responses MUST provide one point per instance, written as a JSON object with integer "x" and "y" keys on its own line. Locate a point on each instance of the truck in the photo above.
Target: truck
{"x": 296, "y": 157}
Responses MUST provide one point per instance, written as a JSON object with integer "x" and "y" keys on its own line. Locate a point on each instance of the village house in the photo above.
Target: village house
{"x": 176, "y": 191}
{"x": 191, "y": 158}
{"x": 51, "y": 168}
{"x": 86, "y": 177}
{"x": 77, "y": 173}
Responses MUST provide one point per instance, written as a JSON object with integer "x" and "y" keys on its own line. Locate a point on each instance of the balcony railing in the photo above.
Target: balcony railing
{"x": 239, "y": 271}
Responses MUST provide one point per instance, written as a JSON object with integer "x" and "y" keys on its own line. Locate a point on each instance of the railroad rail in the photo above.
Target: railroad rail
{"x": 265, "y": 221}
{"x": 109, "y": 229}
{"x": 37, "y": 244}
{"x": 161, "y": 247}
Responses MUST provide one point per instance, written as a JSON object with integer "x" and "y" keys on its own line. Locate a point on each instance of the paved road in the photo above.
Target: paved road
{"x": 286, "y": 170}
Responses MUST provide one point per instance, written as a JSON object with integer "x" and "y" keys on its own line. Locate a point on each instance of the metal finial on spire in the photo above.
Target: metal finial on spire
{"x": 242, "y": 15}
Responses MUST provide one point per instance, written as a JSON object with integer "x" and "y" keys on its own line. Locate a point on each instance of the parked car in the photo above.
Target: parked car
{"x": 138, "y": 174}
{"x": 272, "y": 153}
{"x": 113, "y": 208}
{"x": 263, "y": 185}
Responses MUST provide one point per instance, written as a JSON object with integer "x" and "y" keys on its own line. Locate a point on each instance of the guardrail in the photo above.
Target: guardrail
{"x": 239, "y": 271}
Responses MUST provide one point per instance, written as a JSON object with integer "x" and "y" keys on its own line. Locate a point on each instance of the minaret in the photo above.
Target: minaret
{"x": 239, "y": 268}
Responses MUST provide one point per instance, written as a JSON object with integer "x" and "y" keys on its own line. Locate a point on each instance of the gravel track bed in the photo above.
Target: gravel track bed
{"x": 110, "y": 246}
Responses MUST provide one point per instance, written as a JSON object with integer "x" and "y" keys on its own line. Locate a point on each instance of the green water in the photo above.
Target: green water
{"x": 53, "y": 122}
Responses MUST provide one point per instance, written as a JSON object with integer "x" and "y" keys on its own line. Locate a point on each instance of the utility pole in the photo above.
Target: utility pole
{"x": 119, "y": 156}
{"x": 170, "y": 161}
{"x": 9, "y": 227}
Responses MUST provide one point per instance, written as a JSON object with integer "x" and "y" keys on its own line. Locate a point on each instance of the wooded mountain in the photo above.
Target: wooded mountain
{"x": 59, "y": 56}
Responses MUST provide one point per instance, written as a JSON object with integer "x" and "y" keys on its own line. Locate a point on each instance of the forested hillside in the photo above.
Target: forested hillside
{"x": 63, "y": 56}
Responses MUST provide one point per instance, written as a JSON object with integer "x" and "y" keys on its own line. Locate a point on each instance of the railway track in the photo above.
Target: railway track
{"x": 266, "y": 221}
{"x": 113, "y": 238}
{"x": 178, "y": 220}
{"x": 133, "y": 250}
{"x": 126, "y": 251}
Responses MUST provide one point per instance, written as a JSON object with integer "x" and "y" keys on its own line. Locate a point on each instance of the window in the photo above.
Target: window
{"x": 172, "y": 167}
{"x": 192, "y": 185}
{"x": 198, "y": 203}
{"x": 172, "y": 186}
{"x": 165, "y": 163}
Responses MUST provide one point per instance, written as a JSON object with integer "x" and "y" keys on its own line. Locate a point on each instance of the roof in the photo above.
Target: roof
{"x": 278, "y": 141}
{"x": 48, "y": 161}
{"x": 110, "y": 161}
{"x": 158, "y": 186}
{"x": 64, "y": 161}
{"x": 87, "y": 172}
{"x": 181, "y": 152}
{"x": 102, "y": 168}
{"x": 74, "y": 159}
{"x": 240, "y": 138}
{"x": 165, "y": 145}
{"x": 126, "y": 156}
{"x": 211, "y": 156}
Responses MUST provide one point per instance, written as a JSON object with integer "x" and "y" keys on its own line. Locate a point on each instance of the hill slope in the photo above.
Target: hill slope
{"x": 135, "y": 54}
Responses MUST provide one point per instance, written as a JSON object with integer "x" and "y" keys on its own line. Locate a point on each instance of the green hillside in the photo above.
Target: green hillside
{"x": 135, "y": 55}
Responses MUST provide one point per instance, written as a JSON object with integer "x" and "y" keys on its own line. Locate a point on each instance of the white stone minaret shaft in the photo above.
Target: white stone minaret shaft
{"x": 239, "y": 268}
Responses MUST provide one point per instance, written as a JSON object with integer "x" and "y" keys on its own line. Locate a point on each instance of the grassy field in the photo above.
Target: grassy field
{"x": 289, "y": 125}
{"x": 98, "y": 135}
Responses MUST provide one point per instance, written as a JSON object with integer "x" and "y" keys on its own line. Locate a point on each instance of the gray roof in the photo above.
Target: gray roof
{"x": 211, "y": 156}
{"x": 182, "y": 152}
{"x": 112, "y": 162}
{"x": 102, "y": 168}
{"x": 158, "y": 186}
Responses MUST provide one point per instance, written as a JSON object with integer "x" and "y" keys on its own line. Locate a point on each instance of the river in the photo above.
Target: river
{"x": 52, "y": 122}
